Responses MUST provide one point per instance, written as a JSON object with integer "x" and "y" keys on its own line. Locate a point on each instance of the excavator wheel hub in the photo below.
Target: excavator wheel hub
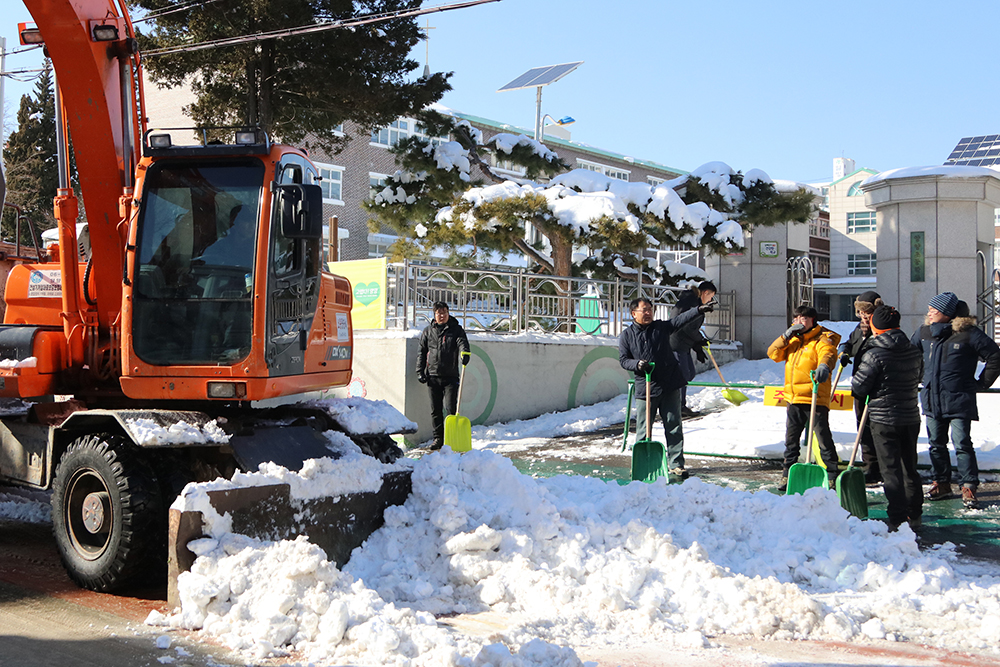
{"x": 93, "y": 510}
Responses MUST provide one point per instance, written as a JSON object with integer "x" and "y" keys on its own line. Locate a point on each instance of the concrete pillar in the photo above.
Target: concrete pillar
{"x": 951, "y": 211}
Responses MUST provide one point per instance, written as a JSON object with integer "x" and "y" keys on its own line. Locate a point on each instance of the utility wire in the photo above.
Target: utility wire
{"x": 304, "y": 30}
{"x": 180, "y": 8}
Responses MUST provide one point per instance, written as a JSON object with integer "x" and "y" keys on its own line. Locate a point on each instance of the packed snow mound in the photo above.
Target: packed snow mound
{"x": 364, "y": 416}
{"x": 580, "y": 561}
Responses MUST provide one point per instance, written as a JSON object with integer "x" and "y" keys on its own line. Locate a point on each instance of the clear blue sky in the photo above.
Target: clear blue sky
{"x": 781, "y": 86}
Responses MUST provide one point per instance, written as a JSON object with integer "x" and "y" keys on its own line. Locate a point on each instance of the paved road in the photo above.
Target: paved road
{"x": 46, "y": 621}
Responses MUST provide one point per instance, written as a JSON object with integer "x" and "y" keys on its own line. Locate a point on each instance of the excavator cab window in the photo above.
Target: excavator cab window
{"x": 196, "y": 247}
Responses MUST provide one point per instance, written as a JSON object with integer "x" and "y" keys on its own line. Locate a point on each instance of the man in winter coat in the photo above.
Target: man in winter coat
{"x": 850, "y": 349}
{"x": 886, "y": 375}
{"x": 952, "y": 346}
{"x": 441, "y": 344}
{"x": 807, "y": 347}
{"x": 688, "y": 338}
{"x": 648, "y": 340}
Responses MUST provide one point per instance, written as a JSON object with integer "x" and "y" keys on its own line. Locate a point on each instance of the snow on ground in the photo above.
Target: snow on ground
{"x": 26, "y": 505}
{"x": 572, "y": 562}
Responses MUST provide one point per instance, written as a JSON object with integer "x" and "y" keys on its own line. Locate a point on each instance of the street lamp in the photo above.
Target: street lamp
{"x": 537, "y": 78}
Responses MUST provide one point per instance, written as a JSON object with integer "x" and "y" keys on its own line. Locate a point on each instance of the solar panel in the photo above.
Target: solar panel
{"x": 980, "y": 151}
{"x": 541, "y": 76}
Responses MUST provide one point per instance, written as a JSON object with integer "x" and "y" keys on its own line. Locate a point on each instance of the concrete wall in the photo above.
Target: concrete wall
{"x": 509, "y": 377}
{"x": 957, "y": 217}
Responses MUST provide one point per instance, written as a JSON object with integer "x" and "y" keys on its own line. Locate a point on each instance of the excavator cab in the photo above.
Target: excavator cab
{"x": 228, "y": 291}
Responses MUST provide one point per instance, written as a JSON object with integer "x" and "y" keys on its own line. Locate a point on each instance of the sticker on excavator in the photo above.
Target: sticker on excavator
{"x": 44, "y": 283}
{"x": 777, "y": 396}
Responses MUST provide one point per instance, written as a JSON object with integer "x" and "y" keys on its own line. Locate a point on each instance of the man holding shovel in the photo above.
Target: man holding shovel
{"x": 648, "y": 340}
{"x": 886, "y": 375}
{"x": 851, "y": 349}
{"x": 807, "y": 347}
{"x": 688, "y": 338}
{"x": 442, "y": 342}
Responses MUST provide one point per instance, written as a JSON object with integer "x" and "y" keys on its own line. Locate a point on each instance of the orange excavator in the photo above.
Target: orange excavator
{"x": 128, "y": 365}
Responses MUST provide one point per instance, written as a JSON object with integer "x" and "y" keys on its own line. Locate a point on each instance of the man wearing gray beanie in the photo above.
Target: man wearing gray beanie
{"x": 952, "y": 346}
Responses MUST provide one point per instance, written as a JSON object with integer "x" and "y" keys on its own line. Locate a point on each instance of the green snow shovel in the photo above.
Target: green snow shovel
{"x": 458, "y": 429}
{"x": 649, "y": 458}
{"x": 851, "y": 482}
{"x": 814, "y": 441}
{"x": 734, "y": 396}
{"x": 628, "y": 413}
{"x": 802, "y": 476}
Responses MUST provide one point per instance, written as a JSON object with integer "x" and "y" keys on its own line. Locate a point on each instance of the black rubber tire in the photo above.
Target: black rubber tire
{"x": 108, "y": 479}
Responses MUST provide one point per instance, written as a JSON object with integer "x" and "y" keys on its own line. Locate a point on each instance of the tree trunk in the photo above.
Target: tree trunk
{"x": 562, "y": 264}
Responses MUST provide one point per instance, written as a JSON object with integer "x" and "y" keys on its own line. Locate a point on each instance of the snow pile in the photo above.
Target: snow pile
{"x": 579, "y": 561}
{"x": 362, "y": 416}
{"x": 30, "y": 362}
{"x": 26, "y": 505}
{"x": 147, "y": 432}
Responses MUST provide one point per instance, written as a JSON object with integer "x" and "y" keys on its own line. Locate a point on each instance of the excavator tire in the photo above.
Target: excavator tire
{"x": 107, "y": 512}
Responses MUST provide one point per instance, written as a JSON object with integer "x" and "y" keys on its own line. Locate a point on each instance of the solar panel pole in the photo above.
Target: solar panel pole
{"x": 538, "y": 114}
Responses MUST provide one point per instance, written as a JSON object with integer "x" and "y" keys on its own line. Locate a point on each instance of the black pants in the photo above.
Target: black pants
{"x": 798, "y": 421}
{"x": 896, "y": 446}
{"x": 444, "y": 396}
{"x": 868, "y": 453}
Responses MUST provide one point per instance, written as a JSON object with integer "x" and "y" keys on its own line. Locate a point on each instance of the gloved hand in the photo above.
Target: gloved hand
{"x": 822, "y": 373}
{"x": 706, "y": 308}
{"x": 794, "y": 330}
{"x": 643, "y": 366}
{"x": 699, "y": 353}
{"x": 466, "y": 357}
{"x": 845, "y": 359}
{"x": 422, "y": 377}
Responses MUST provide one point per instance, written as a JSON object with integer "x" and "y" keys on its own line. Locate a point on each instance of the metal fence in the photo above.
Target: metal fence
{"x": 517, "y": 301}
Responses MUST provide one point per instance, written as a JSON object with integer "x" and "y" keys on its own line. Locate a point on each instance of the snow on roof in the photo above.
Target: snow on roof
{"x": 941, "y": 171}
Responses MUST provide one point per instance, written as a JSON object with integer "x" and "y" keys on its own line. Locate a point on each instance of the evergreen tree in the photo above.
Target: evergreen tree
{"x": 295, "y": 86}
{"x": 446, "y": 194}
{"x": 30, "y": 159}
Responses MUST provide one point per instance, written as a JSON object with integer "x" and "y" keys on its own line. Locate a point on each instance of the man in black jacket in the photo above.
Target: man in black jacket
{"x": 688, "y": 338}
{"x": 887, "y": 375}
{"x": 441, "y": 345}
{"x": 864, "y": 306}
{"x": 952, "y": 346}
{"x": 648, "y": 340}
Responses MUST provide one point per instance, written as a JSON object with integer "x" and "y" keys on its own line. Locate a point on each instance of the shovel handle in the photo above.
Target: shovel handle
{"x": 857, "y": 440}
{"x": 461, "y": 382}
{"x": 812, "y": 417}
{"x": 649, "y": 426}
{"x": 836, "y": 379}
{"x": 716, "y": 364}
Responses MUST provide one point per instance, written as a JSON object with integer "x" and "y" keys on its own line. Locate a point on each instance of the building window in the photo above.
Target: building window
{"x": 821, "y": 265}
{"x": 819, "y": 228}
{"x": 862, "y": 221}
{"x": 390, "y": 136}
{"x": 378, "y": 244}
{"x": 855, "y": 190}
{"x": 376, "y": 183}
{"x": 654, "y": 181}
{"x": 607, "y": 170}
{"x": 861, "y": 265}
{"x": 332, "y": 182}
{"x": 507, "y": 167}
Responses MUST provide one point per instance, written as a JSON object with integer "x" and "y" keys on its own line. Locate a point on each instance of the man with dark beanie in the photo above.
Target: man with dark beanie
{"x": 886, "y": 375}
{"x": 864, "y": 306}
{"x": 952, "y": 346}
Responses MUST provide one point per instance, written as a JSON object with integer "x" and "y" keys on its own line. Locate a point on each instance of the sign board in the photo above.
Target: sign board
{"x": 841, "y": 399}
{"x": 368, "y": 285}
{"x": 769, "y": 248}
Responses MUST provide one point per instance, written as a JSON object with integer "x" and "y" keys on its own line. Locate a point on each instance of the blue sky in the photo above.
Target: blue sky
{"x": 781, "y": 86}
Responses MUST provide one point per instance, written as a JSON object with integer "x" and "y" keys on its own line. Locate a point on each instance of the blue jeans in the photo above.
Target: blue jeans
{"x": 965, "y": 453}
{"x": 669, "y": 406}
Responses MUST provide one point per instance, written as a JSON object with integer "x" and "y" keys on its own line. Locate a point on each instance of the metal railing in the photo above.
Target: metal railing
{"x": 517, "y": 301}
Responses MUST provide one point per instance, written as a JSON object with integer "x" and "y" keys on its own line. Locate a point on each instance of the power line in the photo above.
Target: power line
{"x": 304, "y": 30}
{"x": 180, "y": 8}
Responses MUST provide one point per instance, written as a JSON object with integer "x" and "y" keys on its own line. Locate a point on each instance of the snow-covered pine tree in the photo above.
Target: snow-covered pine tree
{"x": 447, "y": 194}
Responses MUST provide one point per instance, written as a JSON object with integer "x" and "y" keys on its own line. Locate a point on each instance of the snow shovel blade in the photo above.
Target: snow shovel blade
{"x": 649, "y": 461}
{"x": 802, "y": 476}
{"x": 851, "y": 492}
{"x": 734, "y": 396}
{"x": 458, "y": 433}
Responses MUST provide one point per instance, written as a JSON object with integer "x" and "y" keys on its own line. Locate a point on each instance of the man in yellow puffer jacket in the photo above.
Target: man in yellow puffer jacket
{"x": 806, "y": 347}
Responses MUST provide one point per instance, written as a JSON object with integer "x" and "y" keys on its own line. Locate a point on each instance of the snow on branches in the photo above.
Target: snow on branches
{"x": 449, "y": 193}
